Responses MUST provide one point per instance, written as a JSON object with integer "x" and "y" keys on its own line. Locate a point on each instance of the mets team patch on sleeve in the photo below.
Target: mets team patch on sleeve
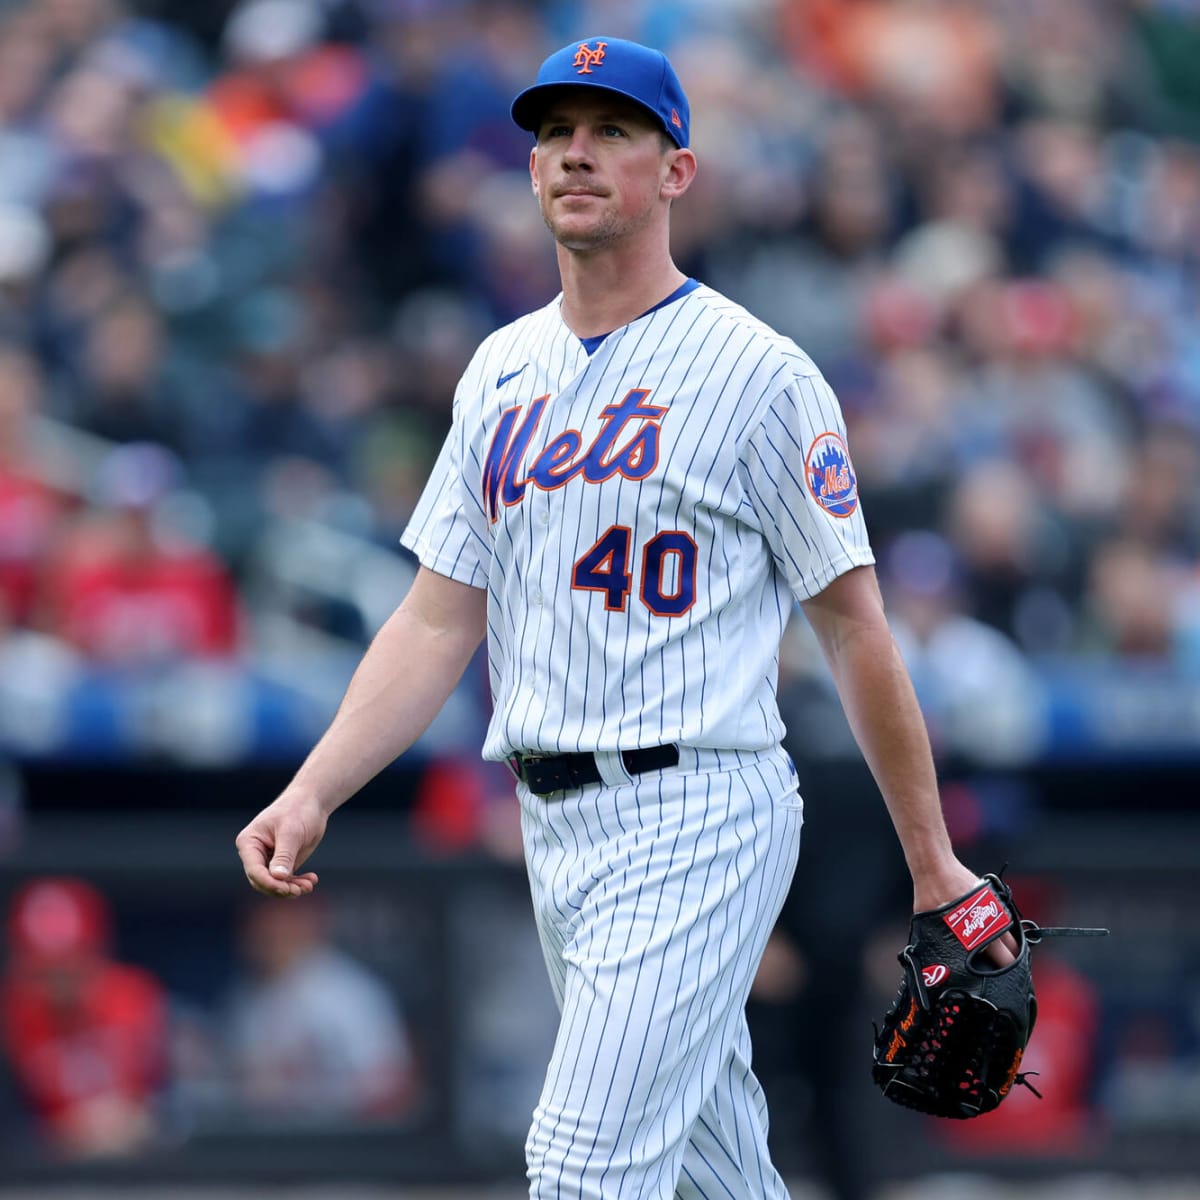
{"x": 829, "y": 475}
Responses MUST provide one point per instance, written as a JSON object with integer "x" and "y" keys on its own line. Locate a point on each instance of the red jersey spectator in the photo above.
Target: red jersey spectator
{"x": 124, "y": 589}
{"x": 85, "y": 1036}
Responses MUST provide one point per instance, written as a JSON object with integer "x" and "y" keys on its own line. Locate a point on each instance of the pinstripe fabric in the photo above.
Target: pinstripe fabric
{"x": 740, "y": 408}
{"x": 644, "y": 519}
{"x": 653, "y": 902}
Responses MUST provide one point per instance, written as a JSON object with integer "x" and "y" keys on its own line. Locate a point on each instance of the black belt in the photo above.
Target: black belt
{"x": 546, "y": 773}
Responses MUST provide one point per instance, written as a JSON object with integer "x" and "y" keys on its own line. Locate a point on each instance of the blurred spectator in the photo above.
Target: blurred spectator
{"x": 26, "y": 246}
{"x": 85, "y": 1035}
{"x": 1013, "y": 555}
{"x": 817, "y": 284}
{"x": 929, "y": 64}
{"x": 313, "y": 1035}
{"x": 467, "y": 133}
{"x": 1131, "y": 601}
{"x": 31, "y": 508}
{"x": 124, "y": 586}
{"x": 289, "y": 97}
{"x": 1159, "y": 501}
{"x": 27, "y": 55}
{"x": 980, "y": 696}
{"x": 122, "y": 393}
{"x": 905, "y": 438}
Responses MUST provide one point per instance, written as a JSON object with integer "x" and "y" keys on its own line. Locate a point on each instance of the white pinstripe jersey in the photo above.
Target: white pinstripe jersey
{"x": 642, "y": 519}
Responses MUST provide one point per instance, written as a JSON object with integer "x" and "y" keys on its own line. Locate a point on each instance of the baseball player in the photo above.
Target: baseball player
{"x": 640, "y": 481}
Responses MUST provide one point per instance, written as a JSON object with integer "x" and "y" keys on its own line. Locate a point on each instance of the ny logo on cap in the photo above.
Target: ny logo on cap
{"x": 586, "y": 58}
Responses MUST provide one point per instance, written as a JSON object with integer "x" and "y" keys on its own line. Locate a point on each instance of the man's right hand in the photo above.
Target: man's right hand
{"x": 279, "y": 841}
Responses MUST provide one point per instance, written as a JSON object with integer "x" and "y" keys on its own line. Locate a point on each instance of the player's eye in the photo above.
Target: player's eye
{"x": 554, "y": 131}
{"x": 614, "y": 131}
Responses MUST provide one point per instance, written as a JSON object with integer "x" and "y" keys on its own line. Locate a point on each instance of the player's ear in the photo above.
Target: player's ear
{"x": 533, "y": 170}
{"x": 680, "y": 171}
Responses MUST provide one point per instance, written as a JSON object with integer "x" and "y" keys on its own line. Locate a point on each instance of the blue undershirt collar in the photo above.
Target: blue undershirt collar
{"x": 592, "y": 344}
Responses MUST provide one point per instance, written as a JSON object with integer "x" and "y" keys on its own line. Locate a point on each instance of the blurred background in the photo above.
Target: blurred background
{"x": 246, "y": 250}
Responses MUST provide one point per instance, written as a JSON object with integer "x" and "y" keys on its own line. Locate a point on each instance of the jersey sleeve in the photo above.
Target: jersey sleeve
{"x": 443, "y": 532}
{"x": 800, "y": 481}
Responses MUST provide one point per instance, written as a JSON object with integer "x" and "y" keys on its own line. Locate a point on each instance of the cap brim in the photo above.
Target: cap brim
{"x": 528, "y": 107}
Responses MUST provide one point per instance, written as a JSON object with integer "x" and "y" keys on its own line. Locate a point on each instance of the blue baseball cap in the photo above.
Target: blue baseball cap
{"x": 615, "y": 65}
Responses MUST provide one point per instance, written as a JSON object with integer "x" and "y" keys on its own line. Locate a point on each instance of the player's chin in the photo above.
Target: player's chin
{"x": 580, "y": 235}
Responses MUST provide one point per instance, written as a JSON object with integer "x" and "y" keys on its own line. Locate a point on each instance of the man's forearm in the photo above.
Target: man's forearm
{"x": 886, "y": 719}
{"x": 400, "y": 685}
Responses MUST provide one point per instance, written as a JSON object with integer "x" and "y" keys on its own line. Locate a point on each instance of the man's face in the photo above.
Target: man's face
{"x": 598, "y": 168}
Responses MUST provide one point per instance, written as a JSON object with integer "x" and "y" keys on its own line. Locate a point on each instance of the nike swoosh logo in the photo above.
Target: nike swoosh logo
{"x": 503, "y": 379}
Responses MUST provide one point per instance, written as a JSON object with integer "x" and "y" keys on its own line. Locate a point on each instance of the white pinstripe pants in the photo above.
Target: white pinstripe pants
{"x": 654, "y": 897}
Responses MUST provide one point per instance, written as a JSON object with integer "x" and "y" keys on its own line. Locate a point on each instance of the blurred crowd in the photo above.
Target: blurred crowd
{"x": 102, "y": 1058}
{"x": 247, "y": 248}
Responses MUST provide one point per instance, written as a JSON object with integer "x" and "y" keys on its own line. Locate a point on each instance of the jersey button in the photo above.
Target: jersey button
{"x": 544, "y": 516}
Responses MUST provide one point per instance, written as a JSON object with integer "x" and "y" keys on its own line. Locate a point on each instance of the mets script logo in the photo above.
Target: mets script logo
{"x": 586, "y": 58}
{"x": 564, "y": 457}
{"x": 830, "y": 476}
{"x": 979, "y": 917}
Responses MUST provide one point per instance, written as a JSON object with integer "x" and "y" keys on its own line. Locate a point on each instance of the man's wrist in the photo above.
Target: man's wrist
{"x": 306, "y": 794}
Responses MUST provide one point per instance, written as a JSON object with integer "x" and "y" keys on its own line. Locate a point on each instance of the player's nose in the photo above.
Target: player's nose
{"x": 578, "y": 152}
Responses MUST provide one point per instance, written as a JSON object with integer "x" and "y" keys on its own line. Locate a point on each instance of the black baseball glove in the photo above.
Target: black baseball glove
{"x": 952, "y": 1041}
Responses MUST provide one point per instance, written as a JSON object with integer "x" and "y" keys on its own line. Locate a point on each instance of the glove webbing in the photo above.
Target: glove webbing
{"x": 977, "y": 1038}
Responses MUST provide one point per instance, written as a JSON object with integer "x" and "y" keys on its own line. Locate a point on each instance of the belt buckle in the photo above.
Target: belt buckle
{"x": 519, "y": 764}
{"x": 539, "y": 777}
